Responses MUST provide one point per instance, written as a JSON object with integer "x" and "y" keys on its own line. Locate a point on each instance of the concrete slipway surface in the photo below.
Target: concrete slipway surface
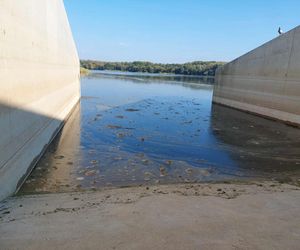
{"x": 190, "y": 216}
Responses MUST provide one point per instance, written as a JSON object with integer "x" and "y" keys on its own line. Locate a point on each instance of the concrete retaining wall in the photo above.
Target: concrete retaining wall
{"x": 265, "y": 81}
{"x": 39, "y": 83}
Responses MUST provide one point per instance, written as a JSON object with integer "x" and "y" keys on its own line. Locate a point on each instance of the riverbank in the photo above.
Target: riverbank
{"x": 183, "y": 216}
{"x": 198, "y": 68}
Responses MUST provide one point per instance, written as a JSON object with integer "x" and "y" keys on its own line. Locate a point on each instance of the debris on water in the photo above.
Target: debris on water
{"x": 132, "y": 110}
{"x": 118, "y": 158}
{"x": 121, "y": 135}
{"x": 189, "y": 170}
{"x": 169, "y": 162}
{"x": 114, "y": 126}
{"x": 194, "y": 143}
{"x": 217, "y": 131}
{"x": 148, "y": 174}
{"x": 163, "y": 171}
{"x": 187, "y": 122}
{"x": 59, "y": 157}
{"x": 252, "y": 141}
{"x": 205, "y": 172}
{"x": 145, "y": 161}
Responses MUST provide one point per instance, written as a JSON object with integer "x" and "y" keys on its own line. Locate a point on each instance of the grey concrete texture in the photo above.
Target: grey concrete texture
{"x": 39, "y": 83}
{"x": 265, "y": 81}
{"x": 199, "y": 216}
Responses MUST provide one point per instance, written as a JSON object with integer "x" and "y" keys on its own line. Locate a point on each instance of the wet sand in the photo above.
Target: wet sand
{"x": 183, "y": 216}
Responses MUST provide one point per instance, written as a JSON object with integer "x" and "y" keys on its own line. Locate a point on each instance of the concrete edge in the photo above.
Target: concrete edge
{"x": 271, "y": 114}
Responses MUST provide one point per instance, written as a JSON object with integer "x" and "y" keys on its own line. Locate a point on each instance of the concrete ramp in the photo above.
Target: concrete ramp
{"x": 39, "y": 83}
{"x": 265, "y": 81}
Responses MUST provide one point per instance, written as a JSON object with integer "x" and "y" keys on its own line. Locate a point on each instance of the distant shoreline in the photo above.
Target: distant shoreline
{"x": 157, "y": 77}
{"x": 127, "y": 73}
{"x": 199, "y": 68}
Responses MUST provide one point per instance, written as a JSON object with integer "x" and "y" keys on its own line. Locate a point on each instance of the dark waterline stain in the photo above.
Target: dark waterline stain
{"x": 128, "y": 132}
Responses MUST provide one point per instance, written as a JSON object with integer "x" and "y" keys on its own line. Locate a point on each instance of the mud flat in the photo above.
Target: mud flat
{"x": 258, "y": 215}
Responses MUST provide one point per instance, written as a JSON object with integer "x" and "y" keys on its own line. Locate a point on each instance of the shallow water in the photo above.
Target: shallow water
{"x": 135, "y": 130}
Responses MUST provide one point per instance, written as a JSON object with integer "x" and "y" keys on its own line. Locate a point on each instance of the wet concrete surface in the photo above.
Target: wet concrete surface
{"x": 132, "y": 130}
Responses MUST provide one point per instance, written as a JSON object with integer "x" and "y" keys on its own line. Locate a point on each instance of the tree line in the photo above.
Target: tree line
{"x": 201, "y": 68}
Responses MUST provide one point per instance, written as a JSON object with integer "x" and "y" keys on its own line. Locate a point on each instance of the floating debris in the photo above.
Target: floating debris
{"x": 163, "y": 171}
{"x": 59, "y": 157}
{"x": 121, "y": 135}
{"x": 193, "y": 144}
{"x": 90, "y": 173}
{"x": 189, "y": 170}
{"x": 145, "y": 161}
{"x": 118, "y": 158}
{"x": 169, "y": 162}
{"x": 114, "y": 126}
{"x": 205, "y": 172}
{"x": 132, "y": 110}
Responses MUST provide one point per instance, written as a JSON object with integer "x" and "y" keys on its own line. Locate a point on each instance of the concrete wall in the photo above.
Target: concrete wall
{"x": 265, "y": 81}
{"x": 39, "y": 83}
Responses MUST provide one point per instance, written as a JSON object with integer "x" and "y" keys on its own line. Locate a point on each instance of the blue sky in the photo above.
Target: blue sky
{"x": 176, "y": 30}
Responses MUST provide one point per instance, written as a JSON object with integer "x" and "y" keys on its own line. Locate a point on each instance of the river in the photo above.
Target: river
{"x": 140, "y": 129}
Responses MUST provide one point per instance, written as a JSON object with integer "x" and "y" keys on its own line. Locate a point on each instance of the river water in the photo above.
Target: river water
{"x": 139, "y": 129}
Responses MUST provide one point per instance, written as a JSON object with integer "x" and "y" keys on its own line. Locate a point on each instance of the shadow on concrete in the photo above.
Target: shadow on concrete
{"x": 24, "y": 137}
{"x": 255, "y": 143}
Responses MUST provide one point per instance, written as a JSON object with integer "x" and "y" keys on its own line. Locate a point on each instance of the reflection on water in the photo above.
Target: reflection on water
{"x": 148, "y": 77}
{"x": 148, "y": 131}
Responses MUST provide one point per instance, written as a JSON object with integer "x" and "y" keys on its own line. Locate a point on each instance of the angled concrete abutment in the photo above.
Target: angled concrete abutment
{"x": 39, "y": 83}
{"x": 265, "y": 81}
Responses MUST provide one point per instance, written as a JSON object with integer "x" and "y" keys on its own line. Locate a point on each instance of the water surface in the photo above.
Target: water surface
{"x": 140, "y": 130}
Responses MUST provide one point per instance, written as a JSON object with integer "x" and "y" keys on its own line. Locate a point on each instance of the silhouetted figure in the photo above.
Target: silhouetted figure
{"x": 280, "y": 31}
